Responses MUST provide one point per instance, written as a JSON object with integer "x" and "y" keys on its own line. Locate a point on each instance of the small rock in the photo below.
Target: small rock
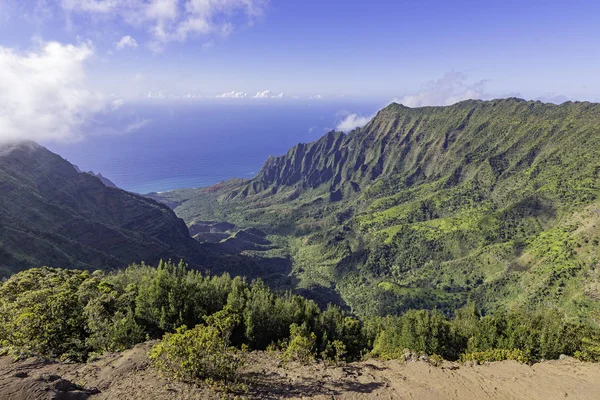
{"x": 49, "y": 377}
{"x": 21, "y": 374}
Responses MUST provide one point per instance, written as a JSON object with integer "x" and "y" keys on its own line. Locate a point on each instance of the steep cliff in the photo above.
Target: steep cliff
{"x": 483, "y": 141}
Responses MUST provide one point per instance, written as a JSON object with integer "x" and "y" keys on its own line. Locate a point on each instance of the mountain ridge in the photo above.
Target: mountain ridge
{"x": 309, "y": 159}
{"x": 54, "y": 214}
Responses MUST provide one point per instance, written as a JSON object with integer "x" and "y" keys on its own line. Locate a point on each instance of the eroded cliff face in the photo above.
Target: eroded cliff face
{"x": 482, "y": 141}
{"x": 306, "y": 165}
{"x": 53, "y": 215}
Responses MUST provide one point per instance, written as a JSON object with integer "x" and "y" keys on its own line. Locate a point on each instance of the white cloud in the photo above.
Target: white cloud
{"x": 175, "y": 20}
{"x": 192, "y": 95}
{"x": 449, "y": 89}
{"x": 126, "y": 41}
{"x": 317, "y": 97}
{"x": 263, "y": 95}
{"x": 353, "y": 121}
{"x": 233, "y": 95}
{"x": 43, "y": 93}
{"x": 267, "y": 94}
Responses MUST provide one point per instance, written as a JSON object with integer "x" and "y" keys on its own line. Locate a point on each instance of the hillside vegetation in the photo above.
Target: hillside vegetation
{"x": 52, "y": 214}
{"x": 207, "y": 322}
{"x": 490, "y": 201}
{"x": 467, "y": 233}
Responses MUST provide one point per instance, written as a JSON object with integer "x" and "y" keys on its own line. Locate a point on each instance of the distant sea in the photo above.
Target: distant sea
{"x": 161, "y": 145}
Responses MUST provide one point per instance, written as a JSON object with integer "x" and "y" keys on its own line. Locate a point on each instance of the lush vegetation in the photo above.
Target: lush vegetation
{"x": 71, "y": 314}
{"x": 492, "y": 201}
{"x": 207, "y": 322}
{"x": 468, "y": 232}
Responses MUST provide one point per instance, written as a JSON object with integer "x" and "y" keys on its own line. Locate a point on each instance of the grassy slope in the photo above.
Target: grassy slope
{"x": 494, "y": 201}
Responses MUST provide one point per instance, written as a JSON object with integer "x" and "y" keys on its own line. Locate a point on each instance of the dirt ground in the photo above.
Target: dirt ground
{"x": 128, "y": 376}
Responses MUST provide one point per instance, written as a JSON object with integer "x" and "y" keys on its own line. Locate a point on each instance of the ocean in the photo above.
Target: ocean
{"x": 161, "y": 145}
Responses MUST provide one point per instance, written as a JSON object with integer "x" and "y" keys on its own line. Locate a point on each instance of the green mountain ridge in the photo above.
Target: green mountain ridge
{"x": 494, "y": 201}
{"x": 53, "y": 215}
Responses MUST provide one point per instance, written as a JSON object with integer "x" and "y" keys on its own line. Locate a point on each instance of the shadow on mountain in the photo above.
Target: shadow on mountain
{"x": 323, "y": 296}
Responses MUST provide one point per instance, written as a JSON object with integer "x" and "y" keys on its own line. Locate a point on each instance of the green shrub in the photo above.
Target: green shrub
{"x": 70, "y": 315}
{"x": 336, "y": 352}
{"x": 423, "y": 332}
{"x": 40, "y": 312}
{"x": 335, "y": 325}
{"x": 197, "y": 355}
{"x": 590, "y": 350}
{"x": 301, "y": 345}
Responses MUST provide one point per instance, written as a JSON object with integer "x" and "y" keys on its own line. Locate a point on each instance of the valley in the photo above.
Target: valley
{"x": 432, "y": 239}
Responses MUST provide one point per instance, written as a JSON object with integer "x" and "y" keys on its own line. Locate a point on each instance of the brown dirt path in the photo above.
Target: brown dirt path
{"x": 128, "y": 376}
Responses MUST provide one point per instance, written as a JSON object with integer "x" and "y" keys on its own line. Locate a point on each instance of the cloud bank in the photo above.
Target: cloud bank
{"x": 449, "y": 89}
{"x": 353, "y": 121}
{"x": 233, "y": 95}
{"x": 267, "y": 94}
{"x": 263, "y": 95}
{"x": 43, "y": 92}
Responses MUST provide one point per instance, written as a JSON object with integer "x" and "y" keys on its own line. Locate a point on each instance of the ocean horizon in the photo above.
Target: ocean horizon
{"x": 157, "y": 146}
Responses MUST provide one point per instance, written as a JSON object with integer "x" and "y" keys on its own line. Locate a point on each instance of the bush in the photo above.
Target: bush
{"x": 422, "y": 332}
{"x": 197, "y": 355}
{"x": 71, "y": 314}
{"x": 336, "y": 352}
{"x": 590, "y": 350}
{"x": 40, "y": 313}
{"x": 336, "y": 326}
{"x": 301, "y": 345}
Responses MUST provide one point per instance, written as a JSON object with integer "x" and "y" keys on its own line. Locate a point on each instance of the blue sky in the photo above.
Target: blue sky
{"x": 105, "y": 52}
